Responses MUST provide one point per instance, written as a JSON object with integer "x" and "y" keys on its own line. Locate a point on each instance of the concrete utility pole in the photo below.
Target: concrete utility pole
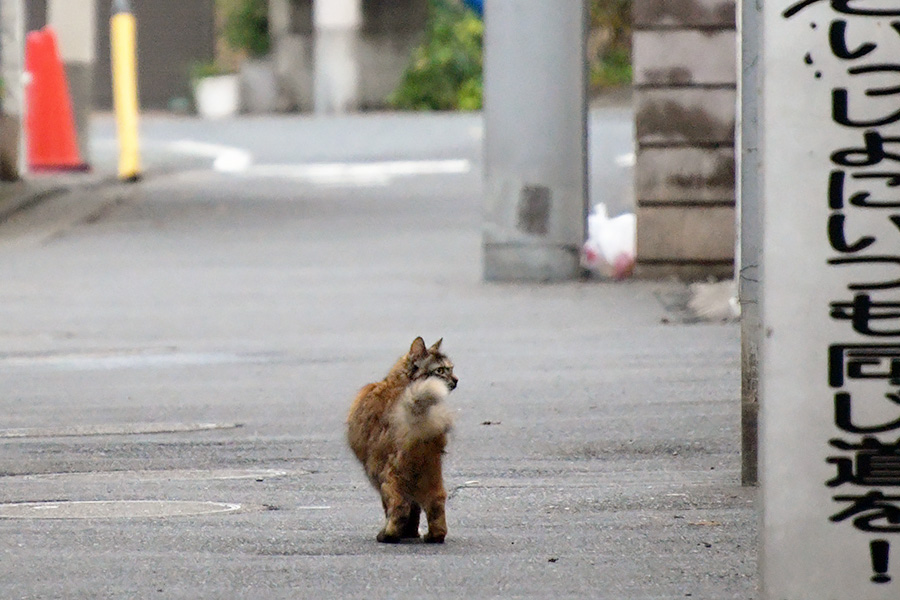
{"x": 535, "y": 117}
{"x": 12, "y": 62}
{"x": 749, "y": 230}
{"x": 830, "y": 360}
{"x": 336, "y": 77}
{"x": 75, "y": 23}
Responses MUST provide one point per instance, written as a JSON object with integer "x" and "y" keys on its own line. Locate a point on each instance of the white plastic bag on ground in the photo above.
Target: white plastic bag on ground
{"x": 609, "y": 249}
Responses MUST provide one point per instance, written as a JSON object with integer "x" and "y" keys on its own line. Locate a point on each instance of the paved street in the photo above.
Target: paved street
{"x": 177, "y": 358}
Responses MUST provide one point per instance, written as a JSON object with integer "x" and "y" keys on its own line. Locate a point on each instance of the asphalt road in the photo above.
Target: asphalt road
{"x": 177, "y": 358}
{"x": 174, "y": 143}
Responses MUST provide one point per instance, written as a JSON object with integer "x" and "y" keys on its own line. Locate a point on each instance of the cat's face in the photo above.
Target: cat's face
{"x": 425, "y": 362}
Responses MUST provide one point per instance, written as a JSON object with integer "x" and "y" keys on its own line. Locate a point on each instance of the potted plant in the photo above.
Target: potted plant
{"x": 216, "y": 90}
{"x": 247, "y": 27}
{"x": 245, "y": 31}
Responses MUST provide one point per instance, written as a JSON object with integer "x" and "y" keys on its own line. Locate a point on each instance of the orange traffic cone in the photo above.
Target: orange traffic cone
{"x": 49, "y": 123}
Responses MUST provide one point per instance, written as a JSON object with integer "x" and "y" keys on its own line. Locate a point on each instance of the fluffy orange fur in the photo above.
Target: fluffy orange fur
{"x": 397, "y": 428}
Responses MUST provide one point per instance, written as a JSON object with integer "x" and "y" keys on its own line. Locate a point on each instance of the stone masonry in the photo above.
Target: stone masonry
{"x": 685, "y": 96}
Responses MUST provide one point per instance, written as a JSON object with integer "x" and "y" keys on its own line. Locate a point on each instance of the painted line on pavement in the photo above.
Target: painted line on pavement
{"x": 114, "y": 509}
{"x": 226, "y": 159}
{"x": 358, "y": 173}
{"x": 236, "y": 161}
{"x": 113, "y": 429}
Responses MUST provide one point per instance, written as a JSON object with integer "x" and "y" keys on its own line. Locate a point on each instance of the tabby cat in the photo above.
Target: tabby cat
{"x": 398, "y": 428}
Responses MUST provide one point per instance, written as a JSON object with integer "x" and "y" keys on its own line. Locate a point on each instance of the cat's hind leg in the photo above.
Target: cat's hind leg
{"x": 437, "y": 521}
{"x": 396, "y": 514}
{"x": 410, "y": 529}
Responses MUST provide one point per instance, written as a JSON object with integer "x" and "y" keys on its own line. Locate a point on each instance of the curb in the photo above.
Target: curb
{"x": 21, "y": 195}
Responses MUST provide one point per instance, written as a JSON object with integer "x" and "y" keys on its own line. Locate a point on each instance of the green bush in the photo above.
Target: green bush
{"x": 609, "y": 43}
{"x": 444, "y": 72}
{"x": 247, "y": 27}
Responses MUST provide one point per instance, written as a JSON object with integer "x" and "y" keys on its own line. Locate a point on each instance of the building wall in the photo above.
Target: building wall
{"x": 390, "y": 30}
{"x": 171, "y": 35}
{"x": 685, "y": 97}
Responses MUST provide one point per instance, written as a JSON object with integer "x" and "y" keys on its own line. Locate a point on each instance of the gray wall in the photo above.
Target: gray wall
{"x": 172, "y": 34}
{"x": 685, "y": 80}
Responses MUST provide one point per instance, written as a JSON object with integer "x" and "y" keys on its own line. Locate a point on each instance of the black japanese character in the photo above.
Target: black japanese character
{"x": 861, "y": 199}
{"x": 838, "y": 239}
{"x": 837, "y": 37}
{"x": 880, "y": 285}
{"x": 877, "y": 464}
{"x": 840, "y": 110}
{"x": 863, "y": 312}
{"x": 868, "y": 510}
{"x": 872, "y": 154}
{"x": 863, "y": 361}
{"x": 846, "y": 7}
{"x": 844, "y": 420}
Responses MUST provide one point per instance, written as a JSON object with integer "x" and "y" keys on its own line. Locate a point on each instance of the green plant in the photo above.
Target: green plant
{"x": 444, "y": 72}
{"x": 247, "y": 27}
{"x": 609, "y": 43}
{"x": 207, "y": 68}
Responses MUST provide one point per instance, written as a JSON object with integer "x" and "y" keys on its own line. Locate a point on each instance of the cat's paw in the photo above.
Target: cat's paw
{"x": 434, "y": 539}
{"x": 384, "y": 538}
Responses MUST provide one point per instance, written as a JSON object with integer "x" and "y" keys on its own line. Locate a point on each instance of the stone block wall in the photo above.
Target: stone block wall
{"x": 685, "y": 105}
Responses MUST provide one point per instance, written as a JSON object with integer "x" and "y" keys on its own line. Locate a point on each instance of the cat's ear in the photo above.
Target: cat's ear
{"x": 418, "y": 348}
{"x": 437, "y": 346}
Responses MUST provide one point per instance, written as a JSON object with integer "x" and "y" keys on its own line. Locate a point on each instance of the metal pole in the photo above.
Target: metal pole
{"x": 125, "y": 97}
{"x": 749, "y": 233}
{"x": 535, "y": 118}
{"x": 12, "y": 61}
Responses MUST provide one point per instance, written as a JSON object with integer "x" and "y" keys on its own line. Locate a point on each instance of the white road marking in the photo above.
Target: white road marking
{"x": 239, "y": 162}
{"x": 99, "y": 361}
{"x": 226, "y": 159}
{"x": 113, "y": 509}
{"x": 358, "y": 173}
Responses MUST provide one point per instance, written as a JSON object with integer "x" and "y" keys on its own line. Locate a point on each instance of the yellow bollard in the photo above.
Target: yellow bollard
{"x": 124, "y": 81}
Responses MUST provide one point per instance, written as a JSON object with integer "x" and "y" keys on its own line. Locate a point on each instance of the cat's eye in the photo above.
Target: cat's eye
{"x": 442, "y": 370}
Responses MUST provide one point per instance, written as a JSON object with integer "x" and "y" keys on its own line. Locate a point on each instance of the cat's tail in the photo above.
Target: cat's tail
{"x": 421, "y": 412}
{"x": 426, "y": 393}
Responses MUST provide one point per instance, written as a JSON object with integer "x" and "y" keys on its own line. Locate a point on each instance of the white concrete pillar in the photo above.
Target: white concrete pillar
{"x": 830, "y": 368}
{"x": 75, "y": 23}
{"x": 535, "y": 118}
{"x": 12, "y": 66}
{"x": 336, "y": 72}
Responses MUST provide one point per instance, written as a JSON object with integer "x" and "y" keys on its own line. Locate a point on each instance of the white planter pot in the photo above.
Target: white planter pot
{"x": 217, "y": 97}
